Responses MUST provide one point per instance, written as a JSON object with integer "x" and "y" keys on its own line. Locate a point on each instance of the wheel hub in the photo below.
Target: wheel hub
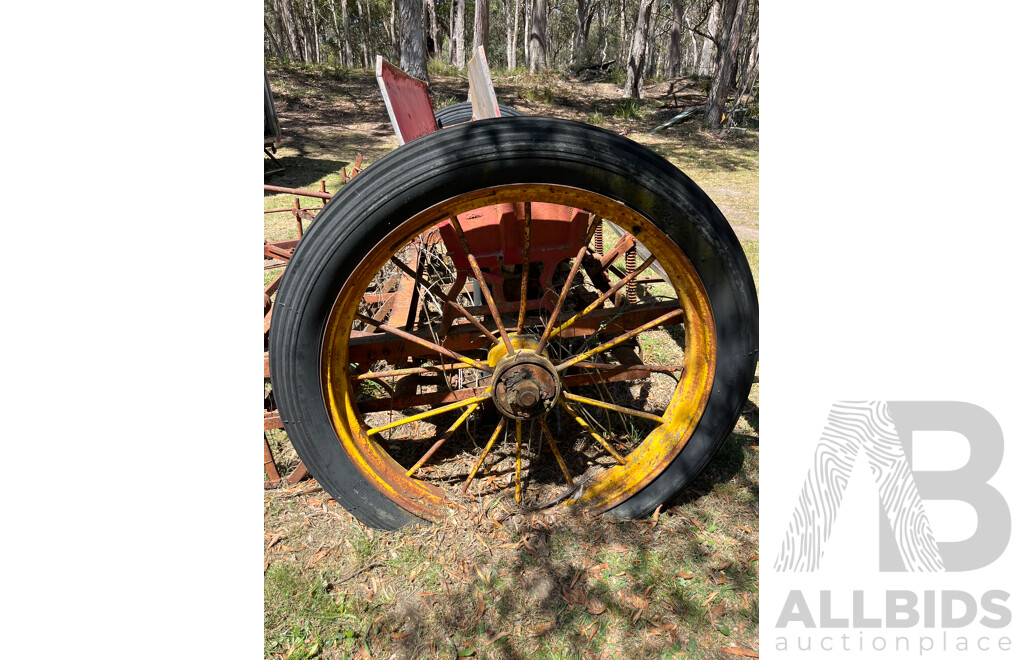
{"x": 526, "y": 385}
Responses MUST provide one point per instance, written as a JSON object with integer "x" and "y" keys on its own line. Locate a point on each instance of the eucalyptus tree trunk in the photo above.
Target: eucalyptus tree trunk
{"x": 412, "y": 44}
{"x": 481, "y": 25}
{"x": 392, "y": 38}
{"x": 637, "y": 63}
{"x": 706, "y": 60}
{"x": 652, "y": 43}
{"x": 733, "y": 15}
{"x": 344, "y": 46}
{"x": 527, "y": 27}
{"x": 674, "y": 35}
{"x": 365, "y": 28}
{"x": 282, "y": 36}
{"x": 288, "y": 18}
{"x": 511, "y": 32}
{"x": 459, "y": 33}
{"x": 434, "y": 45}
{"x": 623, "y": 41}
{"x": 695, "y": 52}
{"x": 316, "y": 32}
{"x": 539, "y": 36}
{"x": 578, "y": 36}
{"x": 273, "y": 41}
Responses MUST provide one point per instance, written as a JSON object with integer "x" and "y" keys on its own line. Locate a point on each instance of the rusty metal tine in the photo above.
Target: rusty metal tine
{"x": 605, "y": 296}
{"x": 618, "y": 340}
{"x": 448, "y": 301}
{"x": 475, "y": 267}
{"x": 434, "y": 369}
{"x": 297, "y": 191}
{"x": 425, "y": 343}
{"x": 568, "y": 284}
{"x": 594, "y": 434}
{"x": 528, "y": 213}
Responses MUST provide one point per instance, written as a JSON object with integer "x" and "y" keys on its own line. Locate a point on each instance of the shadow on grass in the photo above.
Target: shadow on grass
{"x": 303, "y": 172}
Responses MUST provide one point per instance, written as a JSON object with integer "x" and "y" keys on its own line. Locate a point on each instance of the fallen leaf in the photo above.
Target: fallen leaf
{"x": 752, "y": 559}
{"x": 496, "y": 637}
{"x": 400, "y": 635}
{"x": 480, "y": 606}
{"x": 736, "y": 650}
{"x": 544, "y": 627}
{"x": 718, "y": 610}
{"x": 314, "y": 501}
{"x": 275, "y": 539}
{"x": 317, "y": 557}
{"x": 709, "y": 599}
{"x": 746, "y": 529}
{"x": 719, "y": 579}
{"x": 657, "y": 513}
{"x": 686, "y": 575}
{"x": 593, "y": 631}
{"x": 596, "y": 608}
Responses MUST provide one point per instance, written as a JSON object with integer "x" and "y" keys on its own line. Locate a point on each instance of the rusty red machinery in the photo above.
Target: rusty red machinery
{"x": 452, "y": 325}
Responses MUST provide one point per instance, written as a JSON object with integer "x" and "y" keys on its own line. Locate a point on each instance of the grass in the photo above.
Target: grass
{"x": 631, "y": 109}
{"x": 541, "y": 586}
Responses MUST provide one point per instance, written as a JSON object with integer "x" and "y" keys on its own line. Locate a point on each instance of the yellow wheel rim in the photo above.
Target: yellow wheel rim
{"x": 645, "y": 459}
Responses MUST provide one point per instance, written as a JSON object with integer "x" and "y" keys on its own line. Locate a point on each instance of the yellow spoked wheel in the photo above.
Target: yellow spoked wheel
{"x": 530, "y": 308}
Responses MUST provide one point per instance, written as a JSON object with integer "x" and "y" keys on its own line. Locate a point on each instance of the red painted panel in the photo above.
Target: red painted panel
{"x": 407, "y": 100}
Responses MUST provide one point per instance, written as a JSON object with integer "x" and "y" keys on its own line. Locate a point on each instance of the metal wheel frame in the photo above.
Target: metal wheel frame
{"x": 604, "y": 491}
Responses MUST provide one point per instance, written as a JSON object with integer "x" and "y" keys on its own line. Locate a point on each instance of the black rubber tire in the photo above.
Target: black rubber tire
{"x": 460, "y": 113}
{"x": 469, "y": 157}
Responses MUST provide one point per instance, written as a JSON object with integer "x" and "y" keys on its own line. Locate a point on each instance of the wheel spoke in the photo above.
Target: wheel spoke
{"x": 618, "y": 340}
{"x": 605, "y": 366}
{"x": 611, "y": 406}
{"x": 519, "y": 460}
{"x": 474, "y": 401}
{"x": 487, "y": 449}
{"x": 604, "y": 296}
{"x": 425, "y": 343}
{"x": 594, "y": 434}
{"x": 594, "y": 222}
{"x": 474, "y": 320}
{"x": 554, "y": 450}
{"x": 526, "y": 267}
{"x": 447, "y": 434}
{"x": 475, "y": 267}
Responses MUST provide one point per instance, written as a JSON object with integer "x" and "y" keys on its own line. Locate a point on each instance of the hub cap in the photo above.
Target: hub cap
{"x": 526, "y": 385}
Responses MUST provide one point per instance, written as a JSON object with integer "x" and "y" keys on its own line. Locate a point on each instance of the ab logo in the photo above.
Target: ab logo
{"x": 882, "y": 430}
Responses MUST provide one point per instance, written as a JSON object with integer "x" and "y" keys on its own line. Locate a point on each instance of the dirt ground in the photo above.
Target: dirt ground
{"x": 683, "y": 583}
